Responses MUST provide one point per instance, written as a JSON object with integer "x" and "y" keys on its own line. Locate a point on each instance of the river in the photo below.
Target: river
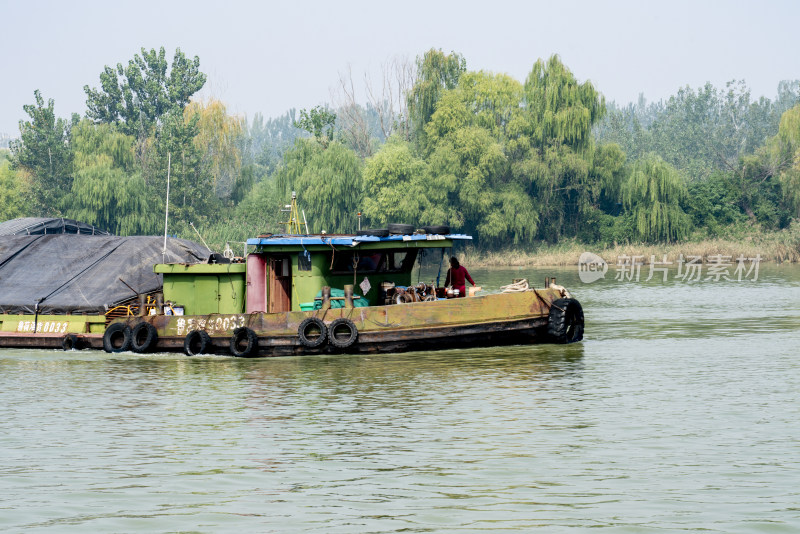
{"x": 678, "y": 412}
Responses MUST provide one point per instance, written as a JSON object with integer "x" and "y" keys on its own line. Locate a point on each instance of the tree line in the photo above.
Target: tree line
{"x": 511, "y": 162}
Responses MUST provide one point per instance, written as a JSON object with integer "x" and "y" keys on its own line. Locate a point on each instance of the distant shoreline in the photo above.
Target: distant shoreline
{"x": 772, "y": 247}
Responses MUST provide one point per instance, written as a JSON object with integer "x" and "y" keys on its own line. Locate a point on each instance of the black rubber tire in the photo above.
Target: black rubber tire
{"x": 117, "y": 338}
{"x": 309, "y": 326}
{"x": 144, "y": 337}
{"x": 377, "y": 232}
{"x": 437, "y": 230}
{"x": 401, "y": 229}
{"x": 342, "y": 333}
{"x": 565, "y": 322}
{"x": 197, "y": 342}
{"x": 402, "y": 298}
{"x": 244, "y": 342}
{"x": 71, "y": 342}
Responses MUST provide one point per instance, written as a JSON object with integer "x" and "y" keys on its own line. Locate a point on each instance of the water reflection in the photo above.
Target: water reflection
{"x": 677, "y": 413}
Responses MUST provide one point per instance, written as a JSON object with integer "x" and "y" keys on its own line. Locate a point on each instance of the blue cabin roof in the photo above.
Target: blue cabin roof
{"x": 348, "y": 240}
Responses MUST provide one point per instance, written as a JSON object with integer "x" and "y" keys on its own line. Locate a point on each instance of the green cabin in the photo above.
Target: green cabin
{"x": 285, "y": 271}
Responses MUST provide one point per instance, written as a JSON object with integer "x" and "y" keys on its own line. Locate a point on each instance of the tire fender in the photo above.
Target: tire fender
{"x": 117, "y": 338}
{"x": 565, "y": 321}
{"x": 71, "y": 342}
{"x": 197, "y": 342}
{"x": 312, "y": 332}
{"x": 244, "y": 342}
{"x": 144, "y": 337}
{"x": 342, "y": 333}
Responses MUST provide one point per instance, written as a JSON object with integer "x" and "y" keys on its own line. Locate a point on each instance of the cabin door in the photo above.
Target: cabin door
{"x": 280, "y": 284}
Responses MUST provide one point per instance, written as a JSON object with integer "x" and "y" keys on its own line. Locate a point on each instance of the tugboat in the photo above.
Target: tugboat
{"x": 301, "y": 293}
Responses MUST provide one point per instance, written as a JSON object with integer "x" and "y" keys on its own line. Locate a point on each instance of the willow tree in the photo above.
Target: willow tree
{"x": 218, "y": 139}
{"x": 471, "y": 184}
{"x": 328, "y": 183}
{"x": 552, "y": 147}
{"x": 788, "y": 150}
{"x": 653, "y": 194}
{"x": 560, "y": 110}
{"x": 14, "y": 191}
{"x": 436, "y": 73}
{"x": 396, "y": 185}
{"x": 108, "y": 190}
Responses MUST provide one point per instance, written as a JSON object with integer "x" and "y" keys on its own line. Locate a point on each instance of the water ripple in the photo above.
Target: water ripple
{"x": 678, "y": 413}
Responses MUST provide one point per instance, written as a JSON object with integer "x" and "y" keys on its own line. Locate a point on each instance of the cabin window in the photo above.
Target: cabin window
{"x": 371, "y": 261}
{"x": 400, "y": 261}
{"x": 304, "y": 261}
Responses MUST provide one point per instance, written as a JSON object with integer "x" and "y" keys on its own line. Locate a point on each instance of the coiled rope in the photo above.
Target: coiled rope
{"x": 517, "y": 286}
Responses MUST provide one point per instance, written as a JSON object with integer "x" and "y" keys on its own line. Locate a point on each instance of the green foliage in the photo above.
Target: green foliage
{"x": 43, "y": 151}
{"x": 192, "y": 196}
{"x": 244, "y": 184}
{"x": 319, "y": 122}
{"x": 788, "y": 149}
{"x": 560, "y": 110}
{"x": 261, "y": 207}
{"x": 396, "y": 183}
{"x": 653, "y": 194}
{"x": 436, "y": 73}
{"x": 712, "y": 204}
{"x": 328, "y": 183}
{"x": 465, "y": 164}
{"x": 15, "y": 197}
{"x": 699, "y": 131}
{"x": 267, "y": 140}
{"x": 469, "y": 170}
{"x": 139, "y": 95}
{"x": 553, "y": 152}
{"x": 514, "y": 163}
{"x": 609, "y": 171}
{"x": 108, "y": 191}
{"x": 218, "y": 139}
{"x": 511, "y": 162}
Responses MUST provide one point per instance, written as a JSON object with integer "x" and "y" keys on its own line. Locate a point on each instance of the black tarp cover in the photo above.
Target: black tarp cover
{"x": 81, "y": 274}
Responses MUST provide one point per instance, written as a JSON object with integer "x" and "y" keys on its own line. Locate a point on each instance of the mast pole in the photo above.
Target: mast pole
{"x": 166, "y": 214}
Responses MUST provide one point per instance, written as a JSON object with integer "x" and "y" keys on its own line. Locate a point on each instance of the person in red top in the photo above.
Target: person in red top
{"x": 456, "y": 275}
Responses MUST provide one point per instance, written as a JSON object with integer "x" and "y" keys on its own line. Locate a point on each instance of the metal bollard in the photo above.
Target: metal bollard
{"x": 348, "y": 296}
{"x": 326, "y": 297}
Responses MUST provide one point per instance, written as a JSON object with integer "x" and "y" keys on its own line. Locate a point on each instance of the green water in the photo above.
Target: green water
{"x": 679, "y": 411}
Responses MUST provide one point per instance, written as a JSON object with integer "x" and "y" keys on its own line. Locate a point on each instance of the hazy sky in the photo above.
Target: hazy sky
{"x": 271, "y": 56}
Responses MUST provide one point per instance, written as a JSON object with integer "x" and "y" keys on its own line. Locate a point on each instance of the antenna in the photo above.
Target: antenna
{"x": 166, "y": 215}
{"x": 294, "y": 225}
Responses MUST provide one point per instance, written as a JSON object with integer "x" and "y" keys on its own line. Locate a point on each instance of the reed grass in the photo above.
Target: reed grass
{"x": 781, "y": 246}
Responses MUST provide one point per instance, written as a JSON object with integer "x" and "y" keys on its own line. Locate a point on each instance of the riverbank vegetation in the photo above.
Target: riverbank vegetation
{"x": 538, "y": 170}
{"x": 779, "y": 246}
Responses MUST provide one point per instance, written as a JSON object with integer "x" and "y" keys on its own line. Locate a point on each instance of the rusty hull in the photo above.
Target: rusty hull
{"x": 501, "y": 319}
{"x": 47, "y": 340}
